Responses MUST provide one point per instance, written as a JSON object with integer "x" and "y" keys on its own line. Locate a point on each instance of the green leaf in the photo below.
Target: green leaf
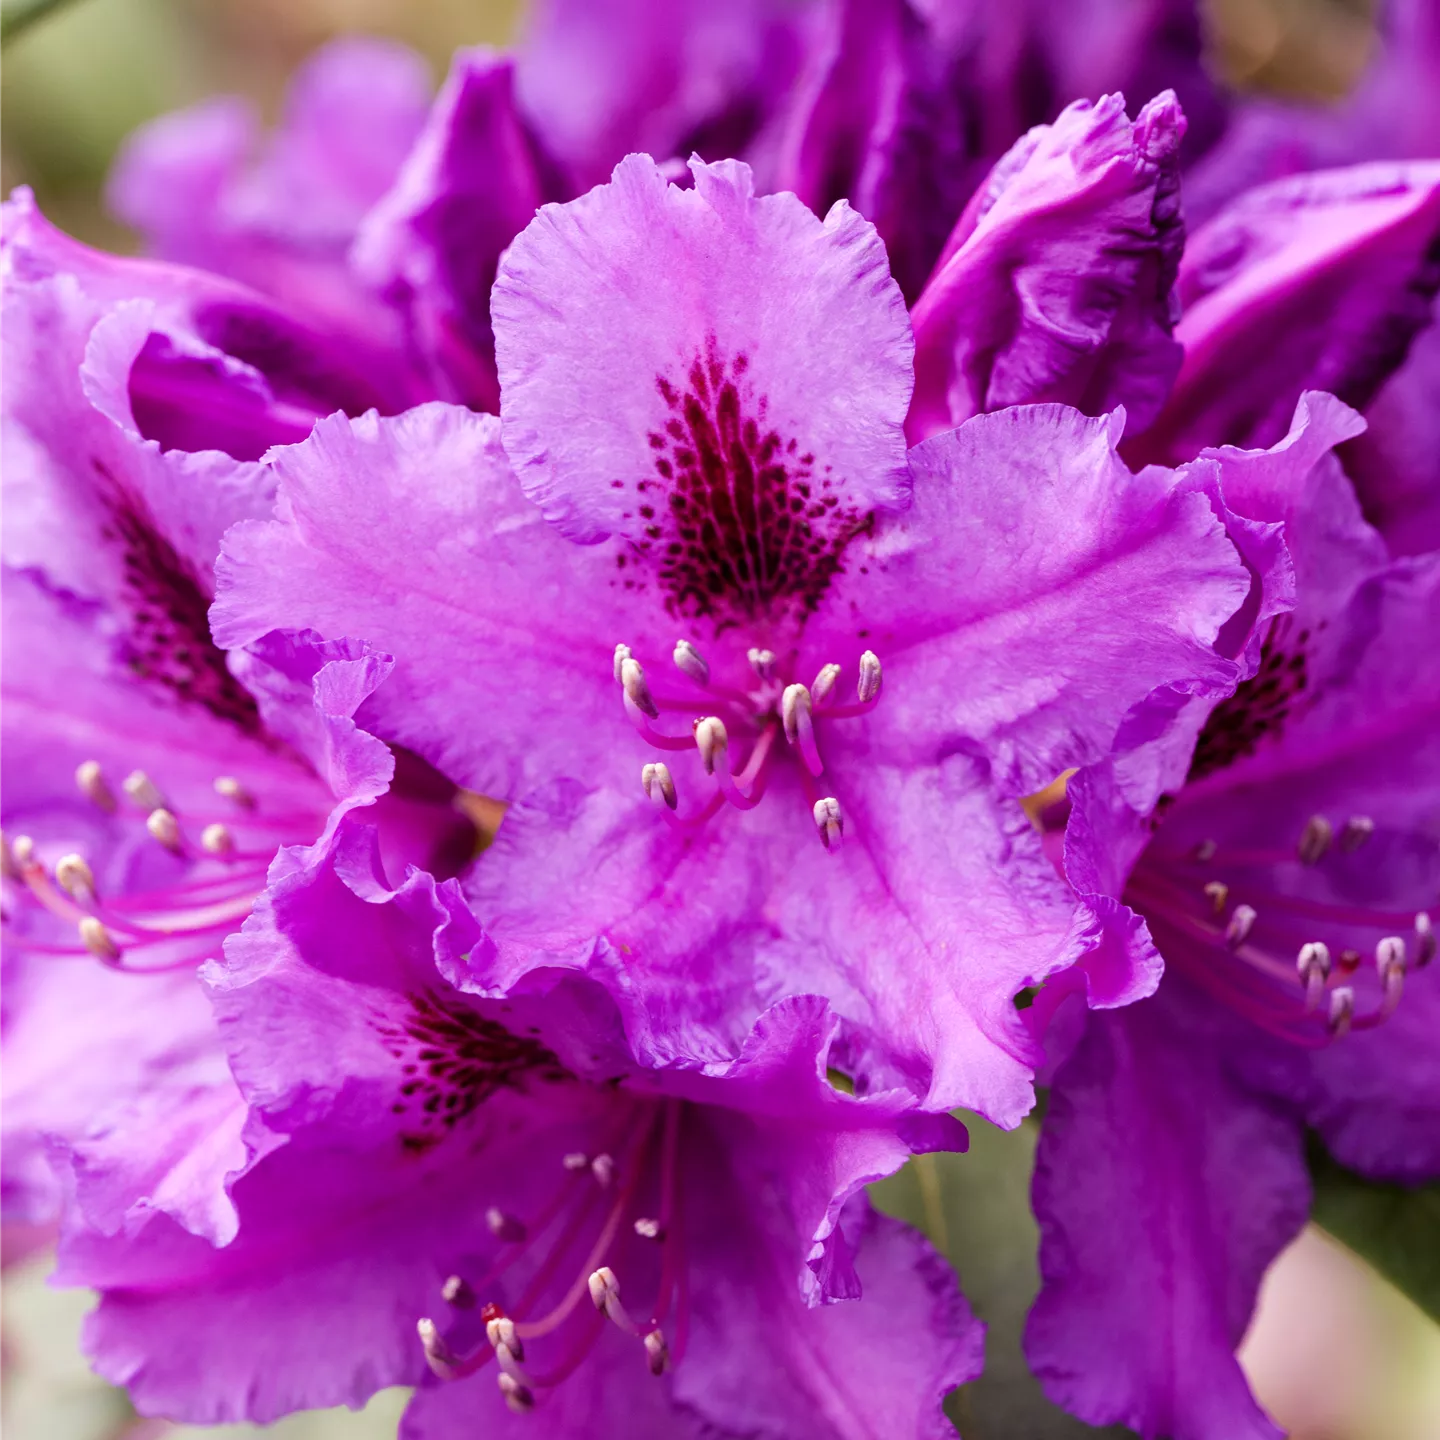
{"x": 19, "y": 15}
{"x": 976, "y": 1209}
{"x": 1396, "y": 1228}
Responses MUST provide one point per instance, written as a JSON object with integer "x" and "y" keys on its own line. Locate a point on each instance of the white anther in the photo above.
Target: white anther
{"x": 501, "y": 1331}
{"x": 438, "y": 1355}
{"x": 622, "y": 654}
{"x": 1217, "y": 892}
{"x": 520, "y": 1398}
{"x": 824, "y": 684}
{"x": 637, "y": 688}
{"x": 502, "y": 1226}
{"x": 868, "y": 686}
{"x": 165, "y": 828}
{"x": 1242, "y": 922}
{"x": 830, "y": 822}
{"x": 1205, "y": 851}
{"x": 692, "y": 662}
{"x": 576, "y": 1160}
{"x": 1313, "y": 966}
{"x": 229, "y": 788}
{"x": 795, "y": 709}
{"x": 97, "y": 940}
{"x": 1342, "y": 1010}
{"x": 23, "y": 849}
{"x": 457, "y": 1292}
{"x": 712, "y": 741}
{"x": 75, "y": 877}
{"x": 1390, "y": 957}
{"x": 1424, "y": 934}
{"x": 1355, "y": 832}
{"x": 217, "y": 839}
{"x": 142, "y": 791}
{"x": 762, "y": 662}
{"x": 91, "y": 780}
{"x": 604, "y": 1288}
{"x": 1315, "y": 839}
{"x": 658, "y": 786}
{"x": 602, "y": 1167}
{"x": 649, "y": 1229}
{"x": 657, "y": 1352}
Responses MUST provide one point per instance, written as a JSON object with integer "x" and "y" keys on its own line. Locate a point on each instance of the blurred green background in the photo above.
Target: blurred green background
{"x": 1335, "y": 1352}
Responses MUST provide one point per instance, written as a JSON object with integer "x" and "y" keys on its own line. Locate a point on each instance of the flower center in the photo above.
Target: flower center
{"x": 777, "y": 708}
{"x": 618, "y": 1208}
{"x": 1294, "y": 965}
{"x": 216, "y": 871}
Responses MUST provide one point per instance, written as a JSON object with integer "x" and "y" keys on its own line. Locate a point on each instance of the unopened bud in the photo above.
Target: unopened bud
{"x": 689, "y": 660}
{"x": 868, "y": 686}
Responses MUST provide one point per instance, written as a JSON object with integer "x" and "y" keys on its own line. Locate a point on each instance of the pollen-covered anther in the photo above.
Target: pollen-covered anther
{"x": 1355, "y": 832}
{"x": 164, "y": 828}
{"x": 504, "y": 1227}
{"x": 1390, "y": 963}
{"x": 93, "y": 786}
{"x": 712, "y": 741}
{"x": 658, "y": 785}
{"x": 637, "y": 688}
{"x": 868, "y": 685}
{"x": 830, "y": 822}
{"x": 217, "y": 839}
{"x": 501, "y": 1331}
{"x": 605, "y": 1293}
{"x": 824, "y": 685}
{"x": 456, "y": 1291}
{"x": 1342, "y": 1010}
{"x": 229, "y": 788}
{"x": 691, "y": 662}
{"x": 762, "y": 662}
{"x": 98, "y": 940}
{"x": 75, "y": 878}
{"x": 1313, "y": 966}
{"x": 1424, "y": 939}
{"x": 1315, "y": 840}
{"x": 1242, "y": 922}
{"x": 795, "y": 709}
{"x": 519, "y": 1397}
{"x": 576, "y": 1160}
{"x": 657, "y": 1352}
{"x": 622, "y": 654}
{"x": 648, "y": 1228}
{"x": 1217, "y": 892}
{"x": 142, "y": 791}
{"x": 602, "y": 1167}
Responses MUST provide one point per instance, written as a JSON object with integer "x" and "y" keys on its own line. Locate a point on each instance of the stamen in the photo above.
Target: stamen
{"x": 657, "y": 1352}
{"x": 868, "y": 686}
{"x": 164, "y": 827}
{"x": 622, "y": 654}
{"x": 1424, "y": 935}
{"x": 1390, "y": 963}
{"x": 795, "y": 716}
{"x": 457, "y": 1292}
{"x": 824, "y": 684}
{"x": 712, "y": 741}
{"x": 520, "y": 1398}
{"x": 1355, "y": 832}
{"x": 229, "y": 788}
{"x": 830, "y": 822}
{"x": 1313, "y": 965}
{"x": 1205, "y": 851}
{"x": 1342, "y": 1010}
{"x": 691, "y": 662}
{"x": 602, "y": 1167}
{"x": 91, "y": 780}
{"x": 75, "y": 878}
{"x": 96, "y": 939}
{"x": 576, "y": 1160}
{"x": 658, "y": 786}
{"x": 637, "y": 689}
{"x": 1218, "y": 894}
{"x": 504, "y": 1227}
{"x": 649, "y": 1229}
{"x": 605, "y": 1292}
{"x": 1242, "y": 922}
{"x": 217, "y": 839}
{"x": 441, "y": 1359}
{"x": 1315, "y": 839}
{"x": 143, "y": 791}
{"x": 762, "y": 662}
{"x": 23, "y": 850}
{"x": 501, "y": 1331}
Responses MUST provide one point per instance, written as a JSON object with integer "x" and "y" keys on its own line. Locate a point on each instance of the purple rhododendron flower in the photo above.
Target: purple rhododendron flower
{"x": 728, "y": 449}
{"x": 1287, "y": 882}
{"x": 432, "y": 1131}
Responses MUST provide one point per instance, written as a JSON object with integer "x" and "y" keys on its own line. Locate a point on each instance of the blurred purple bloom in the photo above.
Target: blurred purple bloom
{"x": 729, "y": 444}
{"x": 1287, "y": 883}
{"x": 431, "y": 1131}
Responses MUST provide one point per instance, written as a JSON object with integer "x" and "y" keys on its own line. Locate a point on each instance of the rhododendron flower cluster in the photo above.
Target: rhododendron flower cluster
{"x": 587, "y": 659}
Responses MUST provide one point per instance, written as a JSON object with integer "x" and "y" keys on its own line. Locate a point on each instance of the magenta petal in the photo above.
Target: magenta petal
{"x": 1056, "y": 283}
